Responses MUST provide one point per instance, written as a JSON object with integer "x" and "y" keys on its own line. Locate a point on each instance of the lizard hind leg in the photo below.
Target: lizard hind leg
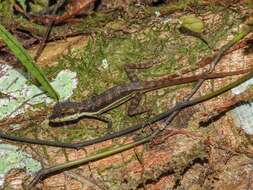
{"x": 130, "y": 69}
{"x": 134, "y": 108}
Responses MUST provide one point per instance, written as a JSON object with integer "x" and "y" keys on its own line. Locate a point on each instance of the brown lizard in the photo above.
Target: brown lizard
{"x": 113, "y": 97}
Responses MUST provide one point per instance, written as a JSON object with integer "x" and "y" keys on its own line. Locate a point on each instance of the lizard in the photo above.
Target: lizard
{"x": 127, "y": 91}
{"x": 97, "y": 105}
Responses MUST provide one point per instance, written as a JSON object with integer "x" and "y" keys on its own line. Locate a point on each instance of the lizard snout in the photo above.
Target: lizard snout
{"x": 63, "y": 109}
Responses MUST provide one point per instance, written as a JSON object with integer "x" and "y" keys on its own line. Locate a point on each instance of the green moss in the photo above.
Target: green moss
{"x": 6, "y": 9}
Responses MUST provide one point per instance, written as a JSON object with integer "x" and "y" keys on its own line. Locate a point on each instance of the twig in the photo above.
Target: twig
{"x": 247, "y": 28}
{"x": 240, "y": 35}
{"x": 141, "y": 162}
{"x": 52, "y": 170}
{"x": 50, "y": 25}
{"x": 24, "y": 103}
{"x": 19, "y": 118}
{"x": 85, "y": 180}
{"x": 227, "y": 105}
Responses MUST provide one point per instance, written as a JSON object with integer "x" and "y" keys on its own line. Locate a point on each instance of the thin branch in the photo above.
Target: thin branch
{"x": 48, "y": 31}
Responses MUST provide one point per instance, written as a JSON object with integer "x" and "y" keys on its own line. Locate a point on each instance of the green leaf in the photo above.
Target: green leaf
{"x": 192, "y": 23}
{"x": 22, "y": 4}
{"x": 27, "y": 61}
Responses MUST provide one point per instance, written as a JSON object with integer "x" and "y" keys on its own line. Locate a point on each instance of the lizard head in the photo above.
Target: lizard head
{"x": 65, "y": 111}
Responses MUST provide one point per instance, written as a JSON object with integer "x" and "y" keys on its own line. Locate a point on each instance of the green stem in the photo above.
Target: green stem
{"x": 221, "y": 90}
{"x": 60, "y": 167}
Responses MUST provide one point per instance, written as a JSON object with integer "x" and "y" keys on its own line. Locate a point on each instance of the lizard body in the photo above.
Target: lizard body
{"x": 113, "y": 97}
{"x": 94, "y": 106}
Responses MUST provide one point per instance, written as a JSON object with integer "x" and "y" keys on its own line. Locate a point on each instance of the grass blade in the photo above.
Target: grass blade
{"x": 22, "y": 55}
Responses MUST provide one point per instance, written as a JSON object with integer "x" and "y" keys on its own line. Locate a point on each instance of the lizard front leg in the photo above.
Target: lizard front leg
{"x": 134, "y": 108}
{"x": 104, "y": 119}
{"x": 130, "y": 69}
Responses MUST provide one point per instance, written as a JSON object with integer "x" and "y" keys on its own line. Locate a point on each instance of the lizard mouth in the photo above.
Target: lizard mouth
{"x": 58, "y": 117}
